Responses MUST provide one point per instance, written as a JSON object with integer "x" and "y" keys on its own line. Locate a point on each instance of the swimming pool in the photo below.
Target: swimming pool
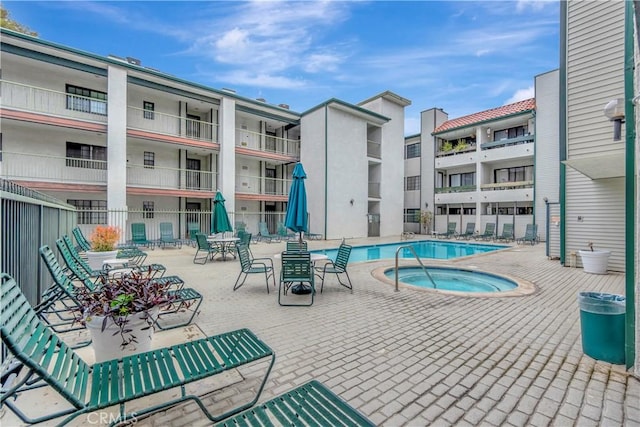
{"x": 452, "y": 279}
{"x": 424, "y": 249}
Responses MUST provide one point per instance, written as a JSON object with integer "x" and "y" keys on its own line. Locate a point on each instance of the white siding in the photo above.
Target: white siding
{"x": 595, "y": 64}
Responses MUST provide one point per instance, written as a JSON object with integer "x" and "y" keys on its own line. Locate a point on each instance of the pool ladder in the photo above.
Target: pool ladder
{"x": 410, "y": 247}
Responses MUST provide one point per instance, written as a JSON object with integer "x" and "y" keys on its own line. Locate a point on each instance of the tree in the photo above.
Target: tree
{"x": 7, "y": 22}
{"x": 426, "y": 218}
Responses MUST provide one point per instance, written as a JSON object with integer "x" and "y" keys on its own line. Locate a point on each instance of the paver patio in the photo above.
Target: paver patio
{"x": 420, "y": 358}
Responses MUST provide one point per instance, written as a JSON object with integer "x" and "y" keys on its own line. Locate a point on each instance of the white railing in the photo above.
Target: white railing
{"x": 172, "y": 178}
{"x": 262, "y": 185}
{"x": 267, "y": 143}
{"x": 47, "y": 168}
{"x": 507, "y": 185}
{"x": 35, "y": 99}
{"x": 374, "y": 149}
{"x": 374, "y": 189}
{"x": 168, "y": 124}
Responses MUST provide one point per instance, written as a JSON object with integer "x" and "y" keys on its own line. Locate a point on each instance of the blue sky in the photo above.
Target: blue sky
{"x": 460, "y": 56}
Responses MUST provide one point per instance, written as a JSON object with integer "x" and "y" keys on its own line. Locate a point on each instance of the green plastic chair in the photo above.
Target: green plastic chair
{"x": 530, "y": 235}
{"x": 489, "y": 232}
{"x": 297, "y": 246}
{"x": 337, "y": 267}
{"x": 250, "y": 265}
{"x": 507, "y": 233}
{"x": 451, "y": 231}
{"x": 265, "y": 235}
{"x": 193, "y": 228}
{"x": 166, "y": 236}
{"x": 469, "y": 232}
{"x": 296, "y": 275}
{"x": 284, "y": 234}
{"x": 139, "y": 235}
{"x": 204, "y": 250}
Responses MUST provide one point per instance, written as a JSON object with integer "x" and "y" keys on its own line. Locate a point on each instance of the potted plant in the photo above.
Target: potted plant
{"x": 121, "y": 312}
{"x": 594, "y": 261}
{"x": 426, "y": 218}
{"x": 103, "y": 245}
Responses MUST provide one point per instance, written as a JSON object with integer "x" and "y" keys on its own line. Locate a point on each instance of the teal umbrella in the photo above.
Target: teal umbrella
{"x": 220, "y": 219}
{"x": 296, "y": 218}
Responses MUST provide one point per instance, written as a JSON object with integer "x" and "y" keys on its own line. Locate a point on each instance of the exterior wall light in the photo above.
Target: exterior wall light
{"x": 614, "y": 111}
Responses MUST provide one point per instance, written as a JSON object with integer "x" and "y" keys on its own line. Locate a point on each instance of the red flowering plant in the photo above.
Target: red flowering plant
{"x": 104, "y": 238}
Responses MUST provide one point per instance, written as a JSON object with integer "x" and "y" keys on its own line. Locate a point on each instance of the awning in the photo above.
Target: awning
{"x": 600, "y": 166}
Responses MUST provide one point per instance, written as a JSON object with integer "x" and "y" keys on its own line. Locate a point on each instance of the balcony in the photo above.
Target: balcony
{"x": 263, "y": 143}
{"x": 374, "y": 149}
{"x": 374, "y": 190}
{"x": 170, "y": 125}
{"x": 262, "y": 186}
{"x": 506, "y": 185}
{"x": 525, "y": 139}
{"x": 170, "y": 178}
{"x": 46, "y": 168}
{"x": 507, "y": 191}
{"x": 506, "y": 149}
{"x": 467, "y": 156}
{"x": 20, "y": 97}
{"x": 458, "y": 189}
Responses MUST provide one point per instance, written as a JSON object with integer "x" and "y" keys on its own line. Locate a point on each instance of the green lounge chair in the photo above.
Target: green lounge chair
{"x": 451, "y": 231}
{"x": 284, "y": 234}
{"x": 193, "y": 228}
{"x": 507, "y": 233}
{"x": 139, "y": 235}
{"x": 530, "y": 235}
{"x": 250, "y": 265}
{"x": 49, "y": 361}
{"x": 166, "y": 236}
{"x": 337, "y": 267}
{"x": 296, "y": 272}
{"x": 489, "y": 232}
{"x": 265, "y": 235}
{"x": 469, "y": 232}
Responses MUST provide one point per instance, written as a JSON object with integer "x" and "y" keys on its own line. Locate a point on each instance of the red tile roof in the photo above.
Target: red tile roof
{"x": 483, "y": 116}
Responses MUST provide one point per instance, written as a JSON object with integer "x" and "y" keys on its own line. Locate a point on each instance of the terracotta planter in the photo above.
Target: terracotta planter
{"x": 107, "y": 344}
{"x": 96, "y": 259}
{"x": 595, "y": 262}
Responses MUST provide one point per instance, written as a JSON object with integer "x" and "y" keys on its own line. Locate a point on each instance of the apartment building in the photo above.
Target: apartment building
{"x": 127, "y": 143}
{"x": 482, "y": 168}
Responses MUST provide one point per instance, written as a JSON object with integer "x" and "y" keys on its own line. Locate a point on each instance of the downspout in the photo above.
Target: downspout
{"x": 562, "y": 130}
{"x": 630, "y": 189}
{"x": 535, "y": 140}
{"x": 326, "y": 167}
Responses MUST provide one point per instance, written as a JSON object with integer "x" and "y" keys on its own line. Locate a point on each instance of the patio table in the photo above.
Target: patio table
{"x": 224, "y": 245}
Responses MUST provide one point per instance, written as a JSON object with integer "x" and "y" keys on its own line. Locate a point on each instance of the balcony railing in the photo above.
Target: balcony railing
{"x": 374, "y": 190}
{"x": 458, "y": 189}
{"x": 525, "y": 139}
{"x": 455, "y": 151}
{"x": 168, "y": 124}
{"x": 374, "y": 149}
{"x": 23, "y": 97}
{"x": 267, "y": 143}
{"x": 262, "y": 185}
{"x": 506, "y": 185}
{"x": 47, "y": 168}
{"x": 170, "y": 178}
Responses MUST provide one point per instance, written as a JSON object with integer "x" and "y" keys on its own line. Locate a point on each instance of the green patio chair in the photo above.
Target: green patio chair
{"x": 297, "y": 276}
{"x": 83, "y": 244}
{"x": 204, "y": 251}
{"x": 193, "y": 228}
{"x": 507, "y": 233}
{"x": 337, "y": 267}
{"x": 139, "y": 235}
{"x": 250, "y": 265}
{"x": 166, "y": 236}
{"x": 297, "y": 246}
{"x": 284, "y": 234}
{"x": 530, "y": 235}
{"x": 451, "y": 231}
{"x": 469, "y": 232}
{"x": 489, "y": 232}
{"x": 49, "y": 362}
{"x": 265, "y": 235}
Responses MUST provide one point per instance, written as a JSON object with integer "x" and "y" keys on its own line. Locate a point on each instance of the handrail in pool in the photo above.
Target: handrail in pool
{"x": 419, "y": 262}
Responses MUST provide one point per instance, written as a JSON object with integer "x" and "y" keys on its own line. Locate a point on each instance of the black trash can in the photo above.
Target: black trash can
{"x": 602, "y": 324}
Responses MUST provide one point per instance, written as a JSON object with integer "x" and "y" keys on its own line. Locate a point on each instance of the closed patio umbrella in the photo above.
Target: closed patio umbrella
{"x": 220, "y": 220}
{"x": 296, "y": 218}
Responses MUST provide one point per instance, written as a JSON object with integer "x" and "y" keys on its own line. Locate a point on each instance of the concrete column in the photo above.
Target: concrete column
{"x": 227, "y": 157}
{"x": 117, "y": 146}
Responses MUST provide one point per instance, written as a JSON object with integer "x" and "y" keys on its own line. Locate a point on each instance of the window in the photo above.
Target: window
{"x": 86, "y": 156}
{"x": 86, "y": 100}
{"x": 509, "y": 133}
{"x": 148, "y": 108}
{"x": 90, "y": 211}
{"x": 469, "y": 211}
{"x": 412, "y": 150}
{"x": 412, "y": 215}
{"x": 515, "y": 174}
{"x": 454, "y": 211}
{"x": 147, "y": 209}
{"x": 149, "y": 159}
{"x": 412, "y": 183}
{"x": 468, "y": 178}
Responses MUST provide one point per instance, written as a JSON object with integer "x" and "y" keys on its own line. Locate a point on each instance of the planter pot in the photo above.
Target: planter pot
{"x": 95, "y": 259}
{"x": 107, "y": 344}
{"x": 595, "y": 262}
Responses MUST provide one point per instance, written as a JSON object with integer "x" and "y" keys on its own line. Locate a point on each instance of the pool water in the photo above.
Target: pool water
{"x": 424, "y": 249}
{"x": 452, "y": 279}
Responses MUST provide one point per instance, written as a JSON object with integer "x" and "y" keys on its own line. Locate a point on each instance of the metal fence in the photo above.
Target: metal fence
{"x": 29, "y": 220}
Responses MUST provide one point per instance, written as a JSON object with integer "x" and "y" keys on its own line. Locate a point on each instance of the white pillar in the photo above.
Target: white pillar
{"x": 117, "y": 147}
{"x": 227, "y": 157}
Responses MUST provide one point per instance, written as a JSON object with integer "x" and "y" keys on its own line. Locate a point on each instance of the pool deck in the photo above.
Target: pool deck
{"x": 419, "y": 358}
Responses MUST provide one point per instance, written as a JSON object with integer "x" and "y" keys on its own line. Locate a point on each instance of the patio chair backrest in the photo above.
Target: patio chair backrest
{"x": 193, "y": 228}
{"x": 201, "y": 239}
{"x": 471, "y": 228}
{"x": 297, "y": 246}
{"x": 531, "y": 231}
{"x": 56, "y": 270}
{"x": 507, "y": 230}
{"x": 296, "y": 267}
{"x": 451, "y": 227}
{"x": 138, "y": 232}
{"x": 245, "y": 238}
{"x": 490, "y": 229}
{"x": 166, "y": 230}
{"x": 342, "y": 258}
{"x": 80, "y": 271}
{"x": 263, "y": 230}
{"x": 37, "y": 347}
{"x": 245, "y": 257}
{"x": 81, "y": 240}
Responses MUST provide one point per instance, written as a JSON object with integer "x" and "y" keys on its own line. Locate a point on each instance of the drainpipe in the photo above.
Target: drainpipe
{"x": 326, "y": 167}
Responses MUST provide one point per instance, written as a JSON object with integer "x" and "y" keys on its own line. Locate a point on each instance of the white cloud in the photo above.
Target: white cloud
{"x": 521, "y": 95}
